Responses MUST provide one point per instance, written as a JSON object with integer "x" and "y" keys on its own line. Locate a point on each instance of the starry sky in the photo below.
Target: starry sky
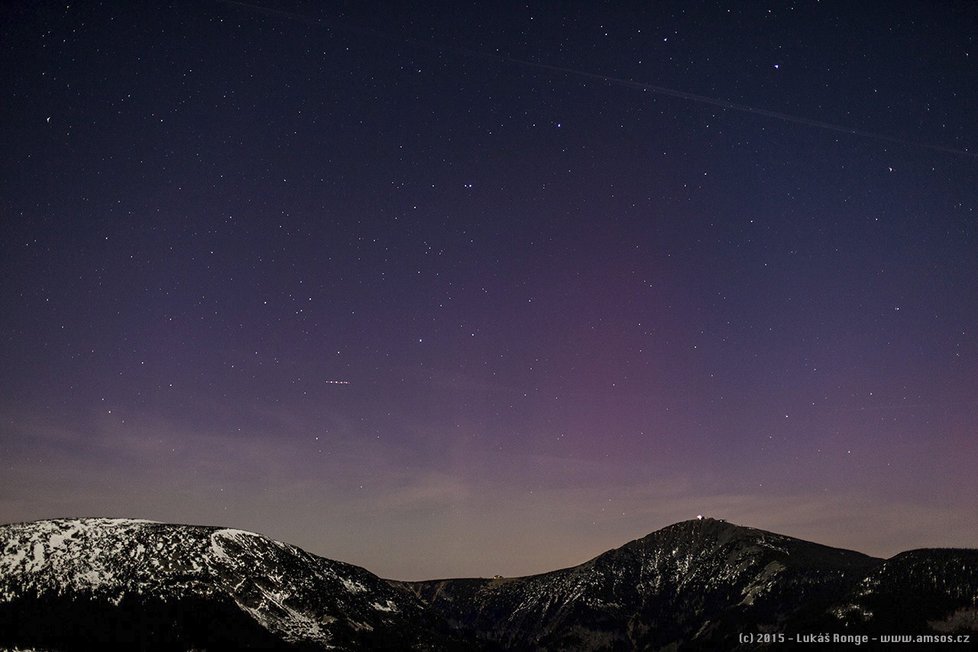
{"x": 466, "y": 288}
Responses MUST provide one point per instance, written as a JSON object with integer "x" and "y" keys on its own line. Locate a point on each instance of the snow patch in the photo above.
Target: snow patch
{"x": 292, "y": 624}
{"x": 217, "y": 550}
{"x": 38, "y": 557}
{"x": 231, "y": 533}
{"x": 94, "y": 579}
{"x": 361, "y": 626}
{"x": 57, "y": 539}
{"x": 12, "y": 561}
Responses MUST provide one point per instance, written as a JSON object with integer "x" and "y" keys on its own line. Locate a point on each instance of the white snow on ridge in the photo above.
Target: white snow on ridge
{"x": 237, "y": 534}
{"x": 217, "y": 550}
{"x": 92, "y": 553}
{"x": 117, "y": 522}
{"x": 240, "y": 537}
{"x": 117, "y": 557}
{"x": 38, "y": 557}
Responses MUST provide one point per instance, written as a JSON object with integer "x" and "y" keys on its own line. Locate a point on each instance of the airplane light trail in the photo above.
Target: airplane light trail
{"x": 617, "y": 81}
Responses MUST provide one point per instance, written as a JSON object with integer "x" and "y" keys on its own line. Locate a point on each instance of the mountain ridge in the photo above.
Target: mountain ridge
{"x": 118, "y": 583}
{"x": 176, "y": 580}
{"x": 673, "y": 584}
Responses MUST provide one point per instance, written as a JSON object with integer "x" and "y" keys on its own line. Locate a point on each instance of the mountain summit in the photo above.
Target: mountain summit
{"x": 110, "y": 583}
{"x": 696, "y": 582}
{"x": 693, "y": 581}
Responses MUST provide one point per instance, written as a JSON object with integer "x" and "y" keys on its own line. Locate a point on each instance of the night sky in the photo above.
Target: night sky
{"x": 468, "y": 289}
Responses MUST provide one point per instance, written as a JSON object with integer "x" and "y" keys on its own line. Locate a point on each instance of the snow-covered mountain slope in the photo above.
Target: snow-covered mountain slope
{"x": 79, "y": 583}
{"x": 916, "y": 591}
{"x": 125, "y": 584}
{"x": 696, "y": 584}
